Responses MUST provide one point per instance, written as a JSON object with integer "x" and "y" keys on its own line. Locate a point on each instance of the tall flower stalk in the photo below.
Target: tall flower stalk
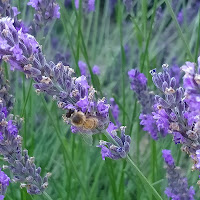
{"x": 177, "y": 108}
{"x": 23, "y": 53}
{"x": 177, "y": 184}
{"x": 18, "y": 161}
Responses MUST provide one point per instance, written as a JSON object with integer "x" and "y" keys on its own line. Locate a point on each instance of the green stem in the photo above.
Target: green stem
{"x": 26, "y": 100}
{"x": 47, "y": 196}
{"x": 198, "y": 41}
{"x": 144, "y": 179}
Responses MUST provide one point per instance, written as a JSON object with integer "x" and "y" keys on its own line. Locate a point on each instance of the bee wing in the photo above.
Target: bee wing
{"x": 87, "y": 138}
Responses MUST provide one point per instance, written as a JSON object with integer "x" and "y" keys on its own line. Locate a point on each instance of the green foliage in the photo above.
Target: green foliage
{"x": 78, "y": 171}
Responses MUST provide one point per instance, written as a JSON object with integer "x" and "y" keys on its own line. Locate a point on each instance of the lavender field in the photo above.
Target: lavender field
{"x": 99, "y": 99}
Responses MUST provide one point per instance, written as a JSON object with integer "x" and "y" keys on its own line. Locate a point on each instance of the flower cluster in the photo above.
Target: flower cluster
{"x": 4, "y": 182}
{"x": 115, "y": 111}
{"x": 5, "y": 8}
{"x": 177, "y": 184}
{"x": 18, "y": 161}
{"x": 139, "y": 86}
{"x": 84, "y": 69}
{"x": 6, "y": 98}
{"x": 7, "y": 11}
{"x": 146, "y": 99}
{"x": 87, "y": 5}
{"x": 178, "y": 110}
{"x": 120, "y": 146}
{"x": 45, "y": 11}
{"x": 23, "y": 53}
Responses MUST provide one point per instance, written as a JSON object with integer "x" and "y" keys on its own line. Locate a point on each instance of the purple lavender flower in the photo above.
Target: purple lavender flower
{"x": 180, "y": 111}
{"x": 20, "y": 164}
{"x": 149, "y": 125}
{"x": 4, "y": 182}
{"x": 4, "y": 7}
{"x": 6, "y": 98}
{"x": 96, "y": 70}
{"x": 7, "y": 11}
{"x": 139, "y": 86}
{"x": 191, "y": 83}
{"x": 91, "y": 5}
{"x": 82, "y": 67}
{"x": 115, "y": 111}
{"x": 175, "y": 72}
{"x": 116, "y": 150}
{"x": 177, "y": 184}
{"x": 87, "y": 5}
{"x": 128, "y": 4}
{"x": 169, "y": 112}
{"x": 168, "y": 157}
{"x": 45, "y": 11}
{"x": 23, "y": 53}
{"x": 146, "y": 99}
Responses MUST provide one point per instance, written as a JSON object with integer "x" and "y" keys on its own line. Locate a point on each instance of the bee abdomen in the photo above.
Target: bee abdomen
{"x": 90, "y": 123}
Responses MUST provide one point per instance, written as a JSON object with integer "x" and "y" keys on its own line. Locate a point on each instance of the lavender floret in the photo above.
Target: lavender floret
{"x": 116, "y": 150}
{"x": 6, "y": 98}
{"x": 178, "y": 188}
{"x": 45, "y": 11}
{"x": 4, "y": 182}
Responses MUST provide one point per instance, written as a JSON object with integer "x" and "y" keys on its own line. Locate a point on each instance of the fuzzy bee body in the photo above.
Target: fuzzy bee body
{"x": 80, "y": 120}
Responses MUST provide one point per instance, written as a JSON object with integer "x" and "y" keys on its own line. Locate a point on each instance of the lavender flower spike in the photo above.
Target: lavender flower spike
{"x": 116, "y": 150}
{"x": 6, "y": 98}
{"x": 177, "y": 184}
{"x": 88, "y": 5}
{"x": 4, "y": 182}
{"x": 45, "y": 11}
{"x": 19, "y": 163}
{"x": 4, "y": 7}
{"x": 146, "y": 99}
{"x": 139, "y": 86}
{"x": 23, "y": 53}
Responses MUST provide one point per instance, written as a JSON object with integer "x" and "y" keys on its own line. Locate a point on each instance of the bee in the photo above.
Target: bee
{"x": 86, "y": 125}
{"x": 80, "y": 120}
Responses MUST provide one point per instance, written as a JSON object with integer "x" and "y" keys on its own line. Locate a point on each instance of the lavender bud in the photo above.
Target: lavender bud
{"x": 112, "y": 151}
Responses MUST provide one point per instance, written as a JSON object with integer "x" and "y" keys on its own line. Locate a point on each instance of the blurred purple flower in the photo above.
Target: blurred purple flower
{"x": 168, "y": 157}
{"x": 4, "y": 182}
{"x": 15, "y": 11}
{"x": 115, "y": 111}
{"x": 96, "y": 70}
{"x": 45, "y": 11}
{"x": 82, "y": 67}
{"x": 91, "y": 5}
{"x": 149, "y": 125}
{"x": 87, "y": 5}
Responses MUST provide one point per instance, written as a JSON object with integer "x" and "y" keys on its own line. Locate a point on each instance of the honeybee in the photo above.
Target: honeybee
{"x": 79, "y": 119}
{"x": 86, "y": 125}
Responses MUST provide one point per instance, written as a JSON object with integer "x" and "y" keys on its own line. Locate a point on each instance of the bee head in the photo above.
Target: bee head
{"x": 69, "y": 113}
